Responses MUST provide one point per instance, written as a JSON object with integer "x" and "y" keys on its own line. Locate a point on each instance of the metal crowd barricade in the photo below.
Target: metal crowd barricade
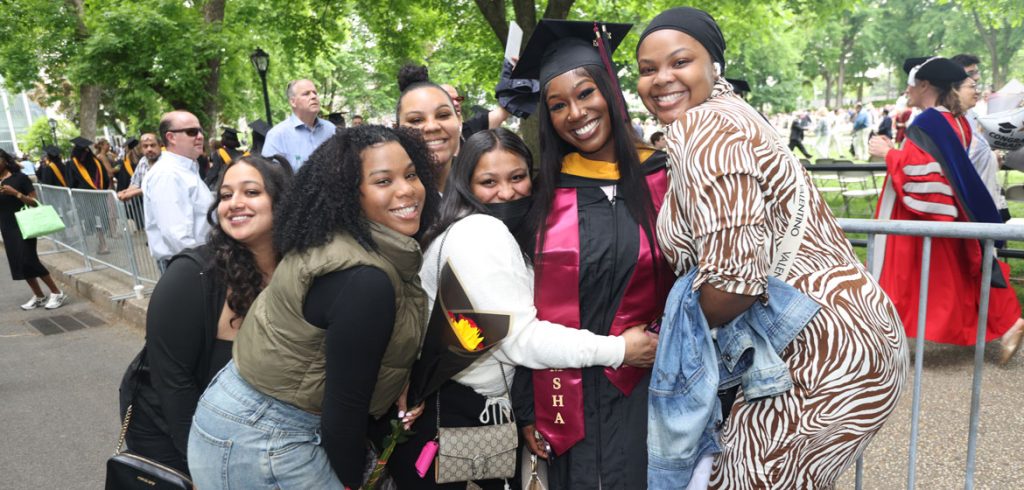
{"x": 988, "y": 233}
{"x": 105, "y": 231}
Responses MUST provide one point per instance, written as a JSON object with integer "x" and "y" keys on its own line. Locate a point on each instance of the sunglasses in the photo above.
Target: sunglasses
{"x": 458, "y": 99}
{"x": 191, "y": 132}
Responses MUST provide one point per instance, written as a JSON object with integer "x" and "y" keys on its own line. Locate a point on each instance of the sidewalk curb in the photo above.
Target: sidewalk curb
{"x": 97, "y": 286}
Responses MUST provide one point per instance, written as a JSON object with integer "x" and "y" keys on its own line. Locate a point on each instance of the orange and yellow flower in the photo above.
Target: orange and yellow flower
{"x": 467, "y": 332}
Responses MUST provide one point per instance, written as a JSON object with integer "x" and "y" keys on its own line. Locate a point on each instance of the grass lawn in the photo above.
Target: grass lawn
{"x": 864, "y": 208}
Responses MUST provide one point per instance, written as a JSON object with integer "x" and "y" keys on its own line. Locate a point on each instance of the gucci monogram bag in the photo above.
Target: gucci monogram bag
{"x": 476, "y": 453}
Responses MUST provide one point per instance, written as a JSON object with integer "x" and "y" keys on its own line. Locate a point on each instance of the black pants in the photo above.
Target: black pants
{"x": 799, "y": 144}
{"x": 146, "y": 439}
{"x": 460, "y": 407}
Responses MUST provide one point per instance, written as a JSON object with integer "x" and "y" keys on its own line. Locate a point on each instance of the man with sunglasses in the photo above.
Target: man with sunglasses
{"x": 481, "y": 121}
{"x": 175, "y": 198}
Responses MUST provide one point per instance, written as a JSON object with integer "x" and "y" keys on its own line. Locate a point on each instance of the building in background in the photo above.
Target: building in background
{"x": 18, "y": 113}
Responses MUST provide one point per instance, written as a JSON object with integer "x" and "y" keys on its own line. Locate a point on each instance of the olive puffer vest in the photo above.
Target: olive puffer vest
{"x": 282, "y": 355}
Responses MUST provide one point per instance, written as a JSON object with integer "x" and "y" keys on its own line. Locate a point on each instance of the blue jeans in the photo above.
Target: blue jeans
{"x": 244, "y": 439}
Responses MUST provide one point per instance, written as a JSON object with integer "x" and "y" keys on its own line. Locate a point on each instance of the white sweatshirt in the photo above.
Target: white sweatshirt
{"x": 497, "y": 279}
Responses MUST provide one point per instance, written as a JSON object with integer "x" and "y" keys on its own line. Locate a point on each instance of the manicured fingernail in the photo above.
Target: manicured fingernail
{"x": 401, "y": 413}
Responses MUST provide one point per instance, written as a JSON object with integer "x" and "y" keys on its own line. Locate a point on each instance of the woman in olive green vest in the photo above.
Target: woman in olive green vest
{"x": 328, "y": 344}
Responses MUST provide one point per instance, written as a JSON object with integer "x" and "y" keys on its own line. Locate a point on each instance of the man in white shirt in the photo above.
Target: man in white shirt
{"x": 295, "y": 138}
{"x": 174, "y": 196}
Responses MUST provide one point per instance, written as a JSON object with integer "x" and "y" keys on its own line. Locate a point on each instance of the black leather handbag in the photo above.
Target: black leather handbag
{"x": 129, "y": 471}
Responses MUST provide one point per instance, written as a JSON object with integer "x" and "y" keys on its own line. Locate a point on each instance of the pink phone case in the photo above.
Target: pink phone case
{"x": 426, "y": 457}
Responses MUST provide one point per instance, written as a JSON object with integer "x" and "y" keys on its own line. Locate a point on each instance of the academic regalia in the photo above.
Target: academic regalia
{"x": 126, "y": 169}
{"x": 52, "y": 171}
{"x": 86, "y": 170}
{"x": 596, "y": 270}
{"x": 940, "y": 184}
{"x": 260, "y": 128}
{"x": 620, "y": 284}
{"x": 224, "y": 156}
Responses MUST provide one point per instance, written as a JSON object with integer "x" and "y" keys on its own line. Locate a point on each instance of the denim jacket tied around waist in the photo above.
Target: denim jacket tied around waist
{"x": 694, "y": 362}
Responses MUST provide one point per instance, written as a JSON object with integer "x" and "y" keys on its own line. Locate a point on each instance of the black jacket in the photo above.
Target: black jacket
{"x": 181, "y": 325}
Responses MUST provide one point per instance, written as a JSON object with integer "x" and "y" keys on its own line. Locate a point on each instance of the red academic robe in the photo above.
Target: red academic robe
{"x": 915, "y": 189}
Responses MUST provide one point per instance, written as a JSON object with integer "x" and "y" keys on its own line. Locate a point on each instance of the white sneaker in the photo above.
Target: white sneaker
{"x": 56, "y": 300}
{"x": 34, "y": 303}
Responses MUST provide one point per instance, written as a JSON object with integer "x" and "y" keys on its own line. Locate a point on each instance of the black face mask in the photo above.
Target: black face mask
{"x": 511, "y": 213}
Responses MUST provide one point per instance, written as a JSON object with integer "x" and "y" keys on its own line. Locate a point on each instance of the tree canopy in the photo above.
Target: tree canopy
{"x": 122, "y": 63}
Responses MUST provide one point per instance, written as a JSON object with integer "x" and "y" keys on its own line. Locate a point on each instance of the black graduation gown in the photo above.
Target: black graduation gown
{"x": 46, "y": 176}
{"x": 124, "y": 178}
{"x": 97, "y": 172}
{"x": 217, "y": 163}
{"x": 613, "y": 454}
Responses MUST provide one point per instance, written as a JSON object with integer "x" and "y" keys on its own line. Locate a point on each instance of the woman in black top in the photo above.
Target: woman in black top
{"x": 198, "y": 306}
{"x": 16, "y": 191}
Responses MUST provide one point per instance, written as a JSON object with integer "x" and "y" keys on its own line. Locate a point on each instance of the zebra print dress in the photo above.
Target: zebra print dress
{"x": 728, "y": 204}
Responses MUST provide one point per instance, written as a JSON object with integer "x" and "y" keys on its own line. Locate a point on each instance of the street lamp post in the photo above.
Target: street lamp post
{"x": 53, "y": 130}
{"x": 261, "y": 61}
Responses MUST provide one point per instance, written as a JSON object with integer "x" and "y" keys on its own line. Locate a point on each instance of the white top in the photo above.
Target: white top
{"x": 984, "y": 160}
{"x": 496, "y": 277}
{"x": 176, "y": 201}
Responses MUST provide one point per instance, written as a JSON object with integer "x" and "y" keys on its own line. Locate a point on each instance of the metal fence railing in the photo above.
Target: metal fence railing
{"x": 987, "y": 233}
{"x": 106, "y": 232}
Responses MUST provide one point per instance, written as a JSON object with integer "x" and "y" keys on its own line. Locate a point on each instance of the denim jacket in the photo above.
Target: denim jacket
{"x": 693, "y": 362}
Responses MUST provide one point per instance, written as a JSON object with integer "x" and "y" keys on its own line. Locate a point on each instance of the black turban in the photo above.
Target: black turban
{"x": 696, "y": 23}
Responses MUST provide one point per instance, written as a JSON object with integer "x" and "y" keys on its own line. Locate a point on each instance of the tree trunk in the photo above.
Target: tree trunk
{"x": 840, "y": 79}
{"x": 494, "y": 12}
{"x": 213, "y": 13}
{"x": 88, "y": 108}
{"x": 89, "y": 94}
{"x": 828, "y": 91}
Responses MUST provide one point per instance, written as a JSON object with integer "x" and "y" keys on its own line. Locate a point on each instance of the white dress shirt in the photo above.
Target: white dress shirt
{"x": 176, "y": 201}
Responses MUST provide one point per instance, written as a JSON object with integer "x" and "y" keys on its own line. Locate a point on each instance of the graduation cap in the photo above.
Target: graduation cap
{"x": 131, "y": 143}
{"x": 229, "y": 134}
{"x": 336, "y": 118}
{"x": 739, "y": 86}
{"x": 558, "y": 46}
{"x": 51, "y": 150}
{"x": 260, "y": 128}
{"x": 936, "y": 69}
{"x": 81, "y": 142}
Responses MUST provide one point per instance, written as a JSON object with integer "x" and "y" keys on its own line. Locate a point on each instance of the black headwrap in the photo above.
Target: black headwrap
{"x": 694, "y": 22}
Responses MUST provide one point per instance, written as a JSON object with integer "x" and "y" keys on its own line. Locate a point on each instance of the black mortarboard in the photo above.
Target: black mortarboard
{"x": 937, "y": 70}
{"x": 229, "y": 135}
{"x": 52, "y": 150}
{"x": 558, "y": 46}
{"x": 131, "y": 143}
{"x": 739, "y": 86}
{"x": 336, "y": 118}
{"x": 260, "y": 128}
{"x": 81, "y": 142}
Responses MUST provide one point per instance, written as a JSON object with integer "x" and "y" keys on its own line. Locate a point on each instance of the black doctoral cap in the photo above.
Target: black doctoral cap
{"x": 81, "y": 142}
{"x": 937, "y": 70}
{"x": 739, "y": 86}
{"x": 131, "y": 143}
{"x": 558, "y": 46}
{"x": 336, "y": 118}
{"x": 260, "y": 128}
{"x": 51, "y": 150}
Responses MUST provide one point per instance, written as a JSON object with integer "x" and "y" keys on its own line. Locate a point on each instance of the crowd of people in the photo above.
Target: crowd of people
{"x": 679, "y": 308}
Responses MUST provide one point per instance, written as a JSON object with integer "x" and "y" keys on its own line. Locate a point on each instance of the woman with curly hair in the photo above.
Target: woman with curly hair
{"x": 331, "y": 340}
{"x": 198, "y": 306}
{"x": 426, "y": 106}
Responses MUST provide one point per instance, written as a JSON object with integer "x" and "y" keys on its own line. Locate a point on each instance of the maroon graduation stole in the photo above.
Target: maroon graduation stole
{"x": 558, "y": 393}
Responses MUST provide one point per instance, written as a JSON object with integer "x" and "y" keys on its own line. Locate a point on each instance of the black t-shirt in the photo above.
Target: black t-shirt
{"x": 475, "y": 124}
{"x": 11, "y": 204}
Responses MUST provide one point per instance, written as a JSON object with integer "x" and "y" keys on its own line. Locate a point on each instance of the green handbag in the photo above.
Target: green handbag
{"x": 38, "y": 221}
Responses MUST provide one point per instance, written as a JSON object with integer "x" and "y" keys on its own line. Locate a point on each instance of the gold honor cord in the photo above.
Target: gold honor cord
{"x": 58, "y": 173}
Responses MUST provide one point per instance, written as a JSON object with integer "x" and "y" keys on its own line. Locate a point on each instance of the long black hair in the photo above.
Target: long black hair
{"x": 325, "y": 194}
{"x": 233, "y": 263}
{"x": 553, "y": 148}
{"x": 459, "y": 200}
